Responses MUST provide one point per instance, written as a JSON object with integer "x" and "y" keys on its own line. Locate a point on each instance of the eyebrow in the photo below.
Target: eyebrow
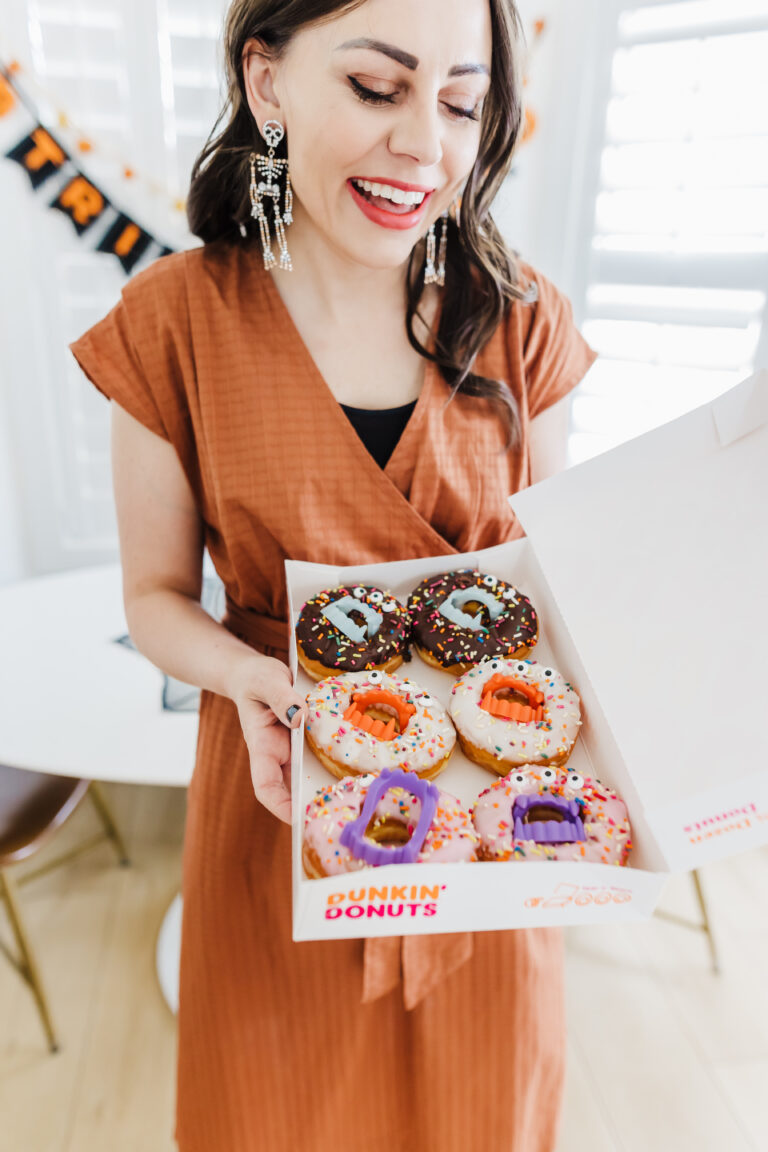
{"x": 405, "y": 58}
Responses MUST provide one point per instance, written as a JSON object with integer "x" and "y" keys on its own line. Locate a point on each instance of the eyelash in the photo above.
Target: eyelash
{"x": 369, "y": 97}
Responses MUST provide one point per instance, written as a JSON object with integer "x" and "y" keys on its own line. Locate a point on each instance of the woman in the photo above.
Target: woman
{"x": 343, "y": 411}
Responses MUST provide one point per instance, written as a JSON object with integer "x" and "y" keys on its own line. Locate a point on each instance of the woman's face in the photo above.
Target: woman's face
{"x": 390, "y": 93}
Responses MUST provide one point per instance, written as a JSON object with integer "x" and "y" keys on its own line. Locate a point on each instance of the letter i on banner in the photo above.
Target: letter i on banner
{"x": 39, "y": 155}
{"x": 126, "y": 241}
{"x": 82, "y": 202}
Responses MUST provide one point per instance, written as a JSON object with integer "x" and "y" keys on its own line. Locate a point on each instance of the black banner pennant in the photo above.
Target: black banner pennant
{"x": 40, "y": 155}
{"x": 126, "y": 240}
{"x": 82, "y": 202}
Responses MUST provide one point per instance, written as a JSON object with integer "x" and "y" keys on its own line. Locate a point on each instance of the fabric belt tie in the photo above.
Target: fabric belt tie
{"x": 420, "y": 962}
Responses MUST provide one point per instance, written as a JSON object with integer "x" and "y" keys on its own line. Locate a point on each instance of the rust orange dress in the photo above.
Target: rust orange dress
{"x": 436, "y": 1043}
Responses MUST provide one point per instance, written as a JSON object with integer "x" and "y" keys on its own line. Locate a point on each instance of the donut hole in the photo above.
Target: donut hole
{"x": 384, "y": 713}
{"x": 357, "y": 617}
{"x": 387, "y": 830}
{"x": 472, "y": 607}
{"x": 512, "y": 695}
{"x": 544, "y": 812}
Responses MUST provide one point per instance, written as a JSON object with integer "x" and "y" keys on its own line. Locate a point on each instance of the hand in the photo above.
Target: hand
{"x": 263, "y": 694}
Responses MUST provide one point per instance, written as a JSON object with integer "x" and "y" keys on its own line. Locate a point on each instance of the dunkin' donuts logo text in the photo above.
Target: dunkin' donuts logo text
{"x": 390, "y": 900}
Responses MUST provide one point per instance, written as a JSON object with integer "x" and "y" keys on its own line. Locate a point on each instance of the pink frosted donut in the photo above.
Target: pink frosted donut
{"x": 538, "y": 813}
{"x": 407, "y": 820}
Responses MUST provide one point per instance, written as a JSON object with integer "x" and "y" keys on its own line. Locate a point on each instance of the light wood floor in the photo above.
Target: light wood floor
{"x": 662, "y": 1053}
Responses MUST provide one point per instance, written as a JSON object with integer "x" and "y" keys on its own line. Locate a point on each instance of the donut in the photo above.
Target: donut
{"x": 551, "y": 814}
{"x": 351, "y": 628}
{"x": 512, "y": 712}
{"x": 393, "y": 818}
{"x": 462, "y": 617}
{"x": 361, "y": 722}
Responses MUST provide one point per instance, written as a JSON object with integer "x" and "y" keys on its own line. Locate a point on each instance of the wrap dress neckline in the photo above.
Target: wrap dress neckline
{"x": 360, "y": 456}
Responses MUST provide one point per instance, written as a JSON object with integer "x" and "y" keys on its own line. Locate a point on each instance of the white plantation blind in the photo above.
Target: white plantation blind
{"x": 672, "y": 278}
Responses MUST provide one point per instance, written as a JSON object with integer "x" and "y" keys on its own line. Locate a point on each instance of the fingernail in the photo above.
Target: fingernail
{"x": 294, "y": 708}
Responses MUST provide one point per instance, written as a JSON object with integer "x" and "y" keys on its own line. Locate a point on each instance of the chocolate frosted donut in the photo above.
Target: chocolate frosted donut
{"x": 463, "y": 617}
{"x": 350, "y": 629}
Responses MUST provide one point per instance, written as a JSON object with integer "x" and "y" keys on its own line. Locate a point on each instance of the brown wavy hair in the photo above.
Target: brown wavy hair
{"x": 481, "y": 276}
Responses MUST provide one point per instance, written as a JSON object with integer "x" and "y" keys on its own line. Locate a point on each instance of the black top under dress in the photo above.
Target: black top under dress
{"x": 379, "y": 428}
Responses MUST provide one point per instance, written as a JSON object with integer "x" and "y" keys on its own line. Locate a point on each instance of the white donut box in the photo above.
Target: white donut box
{"x": 648, "y": 567}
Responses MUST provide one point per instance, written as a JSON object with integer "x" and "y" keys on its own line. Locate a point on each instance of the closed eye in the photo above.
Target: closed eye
{"x": 368, "y": 96}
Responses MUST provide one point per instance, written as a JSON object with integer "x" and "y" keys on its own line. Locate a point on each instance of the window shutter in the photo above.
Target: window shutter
{"x": 673, "y": 257}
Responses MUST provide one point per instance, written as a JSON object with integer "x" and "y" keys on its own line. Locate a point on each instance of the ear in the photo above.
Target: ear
{"x": 258, "y": 79}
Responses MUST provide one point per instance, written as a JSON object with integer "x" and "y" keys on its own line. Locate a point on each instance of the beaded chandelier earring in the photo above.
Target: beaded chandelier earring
{"x": 269, "y": 169}
{"x": 432, "y": 274}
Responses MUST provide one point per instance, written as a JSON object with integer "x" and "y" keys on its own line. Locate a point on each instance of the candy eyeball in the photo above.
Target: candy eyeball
{"x": 490, "y": 581}
{"x": 519, "y": 778}
{"x": 495, "y": 666}
{"x": 521, "y": 669}
{"x": 508, "y": 594}
{"x": 548, "y": 775}
{"x": 375, "y": 677}
{"x": 388, "y": 605}
{"x": 549, "y": 673}
{"x": 376, "y": 597}
{"x": 426, "y": 700}
{"x": 575, "y": 780}
{"x": 358, "y": 592}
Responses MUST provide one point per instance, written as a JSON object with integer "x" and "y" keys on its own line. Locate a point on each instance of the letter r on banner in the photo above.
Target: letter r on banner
{"x": 82, "y": 202}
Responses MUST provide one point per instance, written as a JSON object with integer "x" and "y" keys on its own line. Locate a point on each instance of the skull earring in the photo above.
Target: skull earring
{"x": 434, "y": 275}
{"x": 269, "y": 169}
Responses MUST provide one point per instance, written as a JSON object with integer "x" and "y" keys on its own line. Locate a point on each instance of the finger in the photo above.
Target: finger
{"x": 269, "y": 786}
{"x": 279, "y": 694}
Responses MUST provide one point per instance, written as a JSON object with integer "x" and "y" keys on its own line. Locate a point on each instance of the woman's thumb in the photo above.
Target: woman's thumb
{"x": 281, "y": 696}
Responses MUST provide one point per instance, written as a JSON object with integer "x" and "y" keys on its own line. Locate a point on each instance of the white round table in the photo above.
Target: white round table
{"x": 75, "y": 703}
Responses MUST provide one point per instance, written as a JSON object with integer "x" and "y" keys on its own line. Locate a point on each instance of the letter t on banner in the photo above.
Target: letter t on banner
{"x": 39, "y": 155}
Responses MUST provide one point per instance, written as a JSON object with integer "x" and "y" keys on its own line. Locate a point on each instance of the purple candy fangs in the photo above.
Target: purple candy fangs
{"x": 353, "y": 834}
{"x": 566, "y": 831}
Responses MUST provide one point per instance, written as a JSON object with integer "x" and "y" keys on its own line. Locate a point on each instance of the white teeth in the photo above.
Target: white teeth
{"x": 396, "y": 195}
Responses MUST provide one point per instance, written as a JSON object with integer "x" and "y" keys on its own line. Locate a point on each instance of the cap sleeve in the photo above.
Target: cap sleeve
{"x": 131, "y": 355}
{"x": 555, "y": 354}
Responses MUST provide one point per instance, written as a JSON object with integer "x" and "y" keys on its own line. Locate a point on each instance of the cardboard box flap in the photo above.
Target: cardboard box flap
{"x": 742, "y": 409}
{"x": 657, "y": 555}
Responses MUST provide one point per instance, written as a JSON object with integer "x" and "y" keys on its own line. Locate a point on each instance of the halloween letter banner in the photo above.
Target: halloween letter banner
{"x": 42, "y": 157}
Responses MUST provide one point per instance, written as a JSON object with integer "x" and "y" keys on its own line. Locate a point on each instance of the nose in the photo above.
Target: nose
{"x": 417, "y": 133}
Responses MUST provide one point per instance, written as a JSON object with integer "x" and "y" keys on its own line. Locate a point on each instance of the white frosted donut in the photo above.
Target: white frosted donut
{"x": 511, "y": 712}
{"x": 551, "y": 814}
{"x": 367, "y": 721}
{"x": 450, "y": 837}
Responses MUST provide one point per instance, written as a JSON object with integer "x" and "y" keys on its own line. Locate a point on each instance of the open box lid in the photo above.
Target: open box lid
{"x": 657, "y": 555}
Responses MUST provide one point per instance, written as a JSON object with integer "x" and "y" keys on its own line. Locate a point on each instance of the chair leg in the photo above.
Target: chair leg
{"x": 110, "y": 826}
{"x": 28, "y": 965}
{"x": 705, "y": 922}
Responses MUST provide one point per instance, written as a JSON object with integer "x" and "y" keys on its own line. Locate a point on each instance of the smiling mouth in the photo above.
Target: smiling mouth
{"x": 397, "y": 201}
